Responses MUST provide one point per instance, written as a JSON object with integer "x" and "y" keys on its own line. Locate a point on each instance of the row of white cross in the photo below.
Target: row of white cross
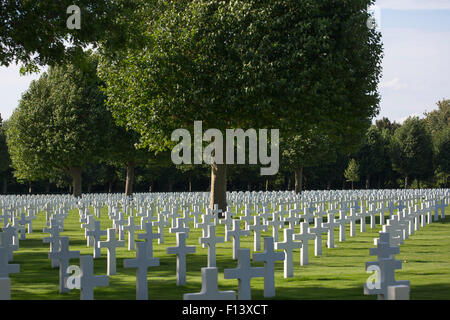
{"x": 257, "y": 217}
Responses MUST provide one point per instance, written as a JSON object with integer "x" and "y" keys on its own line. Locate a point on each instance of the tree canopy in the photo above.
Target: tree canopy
{"x": 371, "y": 156}
{"x": 352, "y": 172}
{"x": 290, "y": 65}
{"x": 35, "y": 33}
{"x": 5, "y": 160}
{"x": 412, "y": 151}
{"x": 61, "y": 123}
{"x": 302, "y": 151}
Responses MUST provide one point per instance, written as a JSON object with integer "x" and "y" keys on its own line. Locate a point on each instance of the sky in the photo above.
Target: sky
{"x": 416, "y": 63}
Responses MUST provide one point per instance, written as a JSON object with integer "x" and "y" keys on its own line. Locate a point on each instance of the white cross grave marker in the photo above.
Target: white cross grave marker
{"x": 89, "y": 226}
{"x": 180, "y": 227}
{"x": 142, "y": 262}
{"x": 181, "y": 250}
{"x": 111, "y": 244}
{"x": 210, "y": 290}
{"x": 211, "y": 240}
{"x": 206, "y": 222}
{"x": 288, "y": 246}
{"x": 119, "y": 223}
{"x": 244, "y": 272}
{"x": 149, "y": 236}
{"x": 257, "y": 227}
{"x": 353, "y": 217}
{"x": 63, "y": 257}
{"x": 5, "y": 270}
{"x": 131, "y": 227}
{"x": 96, "y": 235}
{"x": 386, "y": 266}
{"x": 269, "y": 257}
{"x": 317, "y": 231}
{"x": 330, "y": 225}
{"x": 53, "y": 240}
{"x": 88, "y": 281}
{"x": 160, "y": 223}
{"x": 304, "y": 236}
{"x": 276, "y": 224}
{"x": 236, "y": 234}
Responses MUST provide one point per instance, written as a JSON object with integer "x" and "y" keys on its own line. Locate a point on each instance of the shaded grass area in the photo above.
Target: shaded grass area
{"x": 338, "y": 274}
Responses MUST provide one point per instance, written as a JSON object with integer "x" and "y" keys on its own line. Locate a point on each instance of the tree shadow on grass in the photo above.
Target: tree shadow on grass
{"x": 162, "y": 290}
{"x": 446, "y": 220}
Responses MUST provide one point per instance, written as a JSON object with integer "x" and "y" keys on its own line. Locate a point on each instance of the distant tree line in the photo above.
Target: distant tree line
{"x": 102, "y": 122}
{"x": 415, "y": 154}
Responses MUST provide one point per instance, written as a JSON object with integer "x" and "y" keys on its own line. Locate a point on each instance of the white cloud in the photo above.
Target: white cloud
{"x": 394, "y": 84}
{"x": 414, "y": 4}
{"x": 401, "y": 120}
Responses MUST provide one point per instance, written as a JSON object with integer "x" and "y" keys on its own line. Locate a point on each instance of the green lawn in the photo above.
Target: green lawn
{"x": 338, "y": 274}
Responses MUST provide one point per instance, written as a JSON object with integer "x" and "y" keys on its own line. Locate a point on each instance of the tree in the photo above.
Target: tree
{"x": 387, "y": 176}
{"x": 443, "y": 150}
{"x": 352, "y": 172}
{"x": 294, "y": 64}
{"x": 385, "y": 123}
{"x": 333, "y": 173}
{"x": 4, "y": 154}
{"x": 36, "y": 33}
{"x": 192, "y": 172}
{"x": 24, "y": 139}
{"x": 302, "y": 151}
{"x": 5, "y": 160}
{"x": 412, "y": 153}
{"x": 123, "y": 152}
{"x": 61, "y": 124}
{"x": 371, "y": 155}
{"x": 154, "y": 172}
{"x": 438, "y": 120}
{"x": 438, "y": 125}
{"x": 442, "y": 157}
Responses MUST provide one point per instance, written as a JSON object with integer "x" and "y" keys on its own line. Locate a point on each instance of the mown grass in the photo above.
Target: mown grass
{"x": 338, "y": 274}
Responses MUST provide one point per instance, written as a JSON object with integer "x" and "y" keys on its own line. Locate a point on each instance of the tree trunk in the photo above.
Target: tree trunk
{"x": 352, "y": 185}
{"x": 289, "y": 184}
{"x": 47, "y": 188}
{"x": 110, "y": 186}
{"x": 170, "y": 186}
{"x": 406, "y": 182}
{"x": 129, "y": 179}
{"x": 367, "y": 182}
{"x": 328, "y": 184}
{"x": 150, "y": 188}
{"x": 75, "y": 173}
{"x": 298, "y": 180}
{"x": 218, "y": 186}
{"x": 218, "y": 193}
{"x": 267, "y": 184}
{"x": 190, "y": 184}
{"x": 30, "y": 190}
